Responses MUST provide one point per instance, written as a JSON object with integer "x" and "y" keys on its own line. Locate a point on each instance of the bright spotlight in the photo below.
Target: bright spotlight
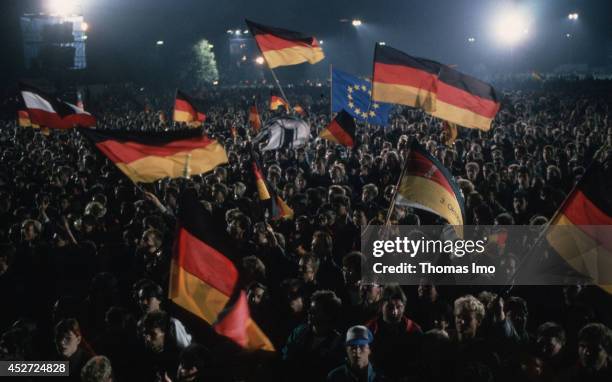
{"x": 243, "y": 58}
{"x": 238, "y": 32}
{"x": 568, "y": 35}
{"x": 382, "y": 43}
{"x": 159, "y": 42}
{"x": 63, "y": 7}
{"x": 511, "y": 26}
{"x": 229, "y": 31}
{"x": 84, "y": 26}
{"x": 471, "y": 39}
{"x": 259, "y": 60}
{"x": 573, "y": 16}
{"x": 246, "y": 31}
{"x": 215, "y": 82}
{"x": 356, "y": 22}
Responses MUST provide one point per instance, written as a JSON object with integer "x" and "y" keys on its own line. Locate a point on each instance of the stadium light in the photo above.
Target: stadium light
{"x": 356, "y": 22}
{"x": 471, "y": 39}
{"x": 243, "y": 58}
{"x": 320, "y": 42}
{"x": 63, "y": 7}
{"x": 510, "y": 26}
{"x": 568, "y": 35}
{"x": 382, "y": 43}
{"x": 238, "y": 32}
{"x": 229, "y": 31}
{"x": 573, "y": 16}
{"x": 259, "y": 60}
{"x": 159, "y": 42}
{"x": 246, "y": 31}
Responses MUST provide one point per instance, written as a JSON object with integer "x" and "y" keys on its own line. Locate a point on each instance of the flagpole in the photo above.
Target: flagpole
{"x": 395, "y": 191}
{"x": 331, "y": 92}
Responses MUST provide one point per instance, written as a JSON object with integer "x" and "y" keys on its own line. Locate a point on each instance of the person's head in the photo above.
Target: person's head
{"x": 371, "y": 293}
{"x": 252, "y": 269}
{"x": 358, "y": 340}
{"x": 193, "y": 361}
{"x": 97, "y": 369}
{"x": 394, "y": 304}
{"x": 369, "y": 193}
{"x": 427, "y": 291}
{"x": 155, "y": 328}
{"x": 7, "y": 255}
{"x": 325, "y": 307}
{"x": 30, "y": 229}
{"x": 67, "y": 337}
{"x": 594, "y": 347}
{"x": 516, "y": 312}
{"x": 151, "y": 240}
{"x": 550, "y": 339}
{"x": 469, "y": 313}
{"x": 150, "y": 296}
{"x": 472, "y": 169}
{"x": 522, "y": 178}
{"x": 257, "y": 294}
{"x": 239, "y": 226}
{"x": 351, "y": 268}
{"x": 519, "y": 203}
{"x": 308, "y": 267}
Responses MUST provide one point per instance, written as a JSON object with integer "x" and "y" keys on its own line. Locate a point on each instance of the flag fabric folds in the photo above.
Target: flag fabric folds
{"x": 340, "y": 130}
{"x": 277, "y": 101}
{"x": 353, "y": 94}
{"x": 285, "y": 132}
{"x": 49, "y": 111}
{"x": 203, "y": 280}
{"x": 254, "y": 119}
{"x": 578, "y": 231}
{"x": 282, "y": 47}
{"x": 273, "y": 204}
{"x": 438, "y": 89}
{"x": 299, "y": 110}
{"x": 428, "y": 185}
{"x": 147, "y": 157}
{"x": 187, "y": 109}
{"x": 23, "y": 119}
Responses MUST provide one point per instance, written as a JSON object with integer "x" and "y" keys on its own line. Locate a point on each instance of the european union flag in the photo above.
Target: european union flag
{"x": 353, "y": 95}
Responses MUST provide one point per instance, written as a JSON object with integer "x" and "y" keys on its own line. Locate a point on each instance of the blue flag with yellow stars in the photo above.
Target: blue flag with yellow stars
{"x": 353, "y": 94}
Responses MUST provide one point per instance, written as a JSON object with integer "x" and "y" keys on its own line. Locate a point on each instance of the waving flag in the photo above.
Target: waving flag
{"x": 353, "y": 94}
{"x": 438, "y": 89}
{"x": 147, "y": 156}
{"x": 277, "y": 101}
{"x": 428, "y": 185}
{"x": 286, "y": 132}
{"x": 341, "y": 130}
{"x": 49, "y": 111}
{"x": 204, "y": 281}
{"x": 254, "y": 119}
{"x": 186, "y": 109}
{"x": 272, "y": 203}
{"x": 282, "y": 47}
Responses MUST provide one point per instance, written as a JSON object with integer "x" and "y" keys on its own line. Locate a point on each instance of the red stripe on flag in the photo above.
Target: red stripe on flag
{"x": 205, "y": 262}
{"x": 234, "y": 320}
{"x": 127, "y": 152}
{"x": 580, "y": 210}
{"x": 404, "y": 75}
{"x": 268, "y": 42}
{"x": 465, "y": 100}
{"x": 337, "y": 131}
{"x": 53, "y": 120}
{"x": 182, "y": 105}
{"x": 419, "y": 165}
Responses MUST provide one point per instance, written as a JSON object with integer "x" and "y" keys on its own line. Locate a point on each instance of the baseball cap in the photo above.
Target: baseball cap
{"x": 358, "y": 335}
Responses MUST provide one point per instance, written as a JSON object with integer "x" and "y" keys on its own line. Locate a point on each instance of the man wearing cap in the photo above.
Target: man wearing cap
{"x": 357, "y": 367}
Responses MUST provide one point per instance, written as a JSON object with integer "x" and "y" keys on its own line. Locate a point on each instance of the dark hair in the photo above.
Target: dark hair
{"x": 552, "y": 329}
{"x": 598, "y": 334}
{"x": 393, "y": 292}
{"x": 327, "y": 300}
{"x": 66, "y": 326}
{"x": 151, "y": 289}
{"x": 152, "y": 320}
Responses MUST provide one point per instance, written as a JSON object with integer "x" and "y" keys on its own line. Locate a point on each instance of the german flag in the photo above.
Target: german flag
{"x": 147, "y": 157}
{"x": 340, "y": 130}
{"x": 427, "y": 185}
{"x": 274, "y": 205}
{"x": 277, "y": 101}
{"x": 282, "y": 47}
{"x": 203, "y": 280}
{"x": 580, "y": 232}
{"x": 436, "y": 88}
{"x": 254, "y": 119}
{"x": 186, "y": 110}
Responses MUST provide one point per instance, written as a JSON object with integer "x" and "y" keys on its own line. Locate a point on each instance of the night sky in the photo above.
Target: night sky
{"x": 123, "y": 32}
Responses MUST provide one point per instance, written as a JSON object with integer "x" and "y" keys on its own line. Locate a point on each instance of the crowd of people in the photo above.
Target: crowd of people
{"x": 85, "y": 254}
